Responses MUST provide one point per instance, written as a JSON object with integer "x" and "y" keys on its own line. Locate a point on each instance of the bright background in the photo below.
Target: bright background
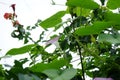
{"x": 28, "y": 11}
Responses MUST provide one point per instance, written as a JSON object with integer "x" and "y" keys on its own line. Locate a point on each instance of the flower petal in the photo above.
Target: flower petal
{"x": 52, "y": 41}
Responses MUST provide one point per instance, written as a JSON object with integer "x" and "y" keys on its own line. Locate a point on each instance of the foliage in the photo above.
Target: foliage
{"x": 91, "y": 33}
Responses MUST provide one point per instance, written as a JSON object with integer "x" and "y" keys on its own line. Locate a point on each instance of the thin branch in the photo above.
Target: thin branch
{"x": 75, "y": 60}
{"x": 81, "y": 59}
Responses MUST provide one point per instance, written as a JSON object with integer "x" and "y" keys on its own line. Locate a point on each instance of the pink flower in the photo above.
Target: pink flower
{"x": 103, "y": 79}
{"x": 52, "y": 41}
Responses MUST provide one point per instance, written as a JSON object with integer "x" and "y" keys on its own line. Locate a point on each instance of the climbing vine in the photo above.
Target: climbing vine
{"x": 91, "y": 32}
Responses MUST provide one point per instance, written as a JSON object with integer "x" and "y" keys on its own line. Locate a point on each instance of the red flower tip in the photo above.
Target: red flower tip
{"x": 8, "y": 15}
{"x": 13, "y": 7}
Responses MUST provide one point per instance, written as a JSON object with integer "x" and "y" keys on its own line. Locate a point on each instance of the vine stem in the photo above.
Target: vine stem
{"x": 80, "y": 55}
{"x": 81, "y": 60}
{"x": 79, "y": 50}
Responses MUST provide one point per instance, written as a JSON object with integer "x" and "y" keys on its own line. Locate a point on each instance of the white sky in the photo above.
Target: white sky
{"x": 28, "y": 11}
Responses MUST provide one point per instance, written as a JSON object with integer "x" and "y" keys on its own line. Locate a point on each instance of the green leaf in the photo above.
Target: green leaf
{"x": 113, "y": 39}
{"x": 2, "y": 78}
{"x": 96, "y": 28}
{"x": 67, "y": 74}
{"x": 89, "y": 4}
{"x": 21, "y": 50}
{"x": 28, "y": 77}
{"x": 113, "y": 17}
{"x": 113, "y": 4}
{"x": 24, "y": 77}
{"x": 53, "y": 20}
{"x": 82, "y": 11}
{"x": 56, "y": 64}
{"x": 52, "y": 73}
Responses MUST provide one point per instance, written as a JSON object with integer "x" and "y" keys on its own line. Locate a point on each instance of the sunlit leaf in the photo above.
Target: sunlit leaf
{"x": 21, "y": 50}
{"x": 82, "y": 11}
{"x": 113, "y": 4}
{"x": 67, "y": 74}
{"x": 113, "y": 39}
{"x": 96, "y": 28}
{"x": 53, "y": 20}
{"x": 56, "y": 64}
{"x": 89, "y": 4}
{"x": 51, "y": 73}
{"x": 113, "y": 17}
{"x": 28, "y": 77}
